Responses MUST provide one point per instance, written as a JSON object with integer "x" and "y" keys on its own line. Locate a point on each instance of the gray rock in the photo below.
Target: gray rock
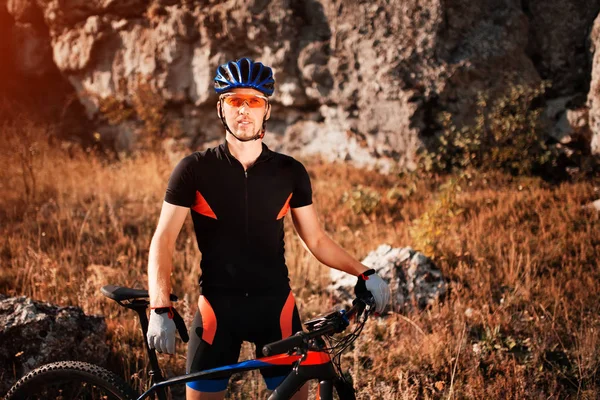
{"x": 377, "y": 73}
{"x": 414, "y": 280}
{"x": 34, "y": 333}
{"x": 568, "y": 126}
{"x": 556, "y": 42}
{"x": 560, "y": 126}
{"x": 24, "y": 11}
{"x": 34, "y": 57}
{"x": 594, "y": 205}
{"x": 333, "y": 139}
{"x": 593, "y": 100}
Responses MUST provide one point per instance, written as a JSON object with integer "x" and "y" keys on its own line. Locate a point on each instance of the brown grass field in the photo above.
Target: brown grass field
{"x": 521, "y": 321}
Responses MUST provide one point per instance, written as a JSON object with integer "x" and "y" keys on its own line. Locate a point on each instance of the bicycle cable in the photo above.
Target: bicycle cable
{"x": 336, "y": 347}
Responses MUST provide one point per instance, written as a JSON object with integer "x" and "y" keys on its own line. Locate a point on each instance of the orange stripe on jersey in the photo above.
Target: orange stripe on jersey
{"x": 201, "y": 206}
{"x": 285, "y": 319}
{"x": 209, "y": 320}
{"x": 285, "y": 208}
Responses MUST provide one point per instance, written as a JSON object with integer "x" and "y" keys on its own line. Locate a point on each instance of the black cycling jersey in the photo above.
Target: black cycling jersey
{"x": 238, "y": 215}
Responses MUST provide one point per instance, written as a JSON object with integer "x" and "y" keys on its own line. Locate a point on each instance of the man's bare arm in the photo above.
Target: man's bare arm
{"x": 160, "y": 258}
{"x": 322, "y": 246}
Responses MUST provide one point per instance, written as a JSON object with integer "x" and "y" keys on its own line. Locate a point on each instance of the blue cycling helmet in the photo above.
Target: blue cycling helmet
{"x": 244, "y": 73}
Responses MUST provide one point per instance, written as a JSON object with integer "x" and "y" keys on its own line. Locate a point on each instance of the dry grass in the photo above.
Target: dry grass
{"x": 521, "y": 320}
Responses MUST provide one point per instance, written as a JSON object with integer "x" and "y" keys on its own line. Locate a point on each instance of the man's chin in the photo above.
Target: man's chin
{"x": 245, "y": 133}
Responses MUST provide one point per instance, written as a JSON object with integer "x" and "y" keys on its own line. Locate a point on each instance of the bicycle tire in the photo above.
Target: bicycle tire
{"x": 69, "y": 380}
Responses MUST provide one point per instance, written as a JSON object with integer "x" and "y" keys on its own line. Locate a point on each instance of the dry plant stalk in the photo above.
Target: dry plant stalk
{"x": 522, "y": 258}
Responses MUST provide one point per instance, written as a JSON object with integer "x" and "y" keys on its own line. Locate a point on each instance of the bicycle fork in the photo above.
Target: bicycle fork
{"x": 344, "y": 390}
{"x": 327, "y": 377}
{"x": 325, "y": 390}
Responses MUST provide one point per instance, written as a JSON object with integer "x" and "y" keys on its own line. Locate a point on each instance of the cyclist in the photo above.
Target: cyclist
{"x": 238, "y": 194}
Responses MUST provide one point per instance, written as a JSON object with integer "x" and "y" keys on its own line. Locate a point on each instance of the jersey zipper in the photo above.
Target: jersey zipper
{"x": 247, "y": 207}
{"x": 247, "y": 202}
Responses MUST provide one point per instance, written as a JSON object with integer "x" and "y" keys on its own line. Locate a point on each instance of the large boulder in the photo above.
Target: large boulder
{"x": 34, "y": 55}
{"x": 558, "y": 32}
{"x": 34, "y": 333}
{"x": 371, "y": 75}
{"x": 415, "y": 281}
{"x": 594, "y": 93}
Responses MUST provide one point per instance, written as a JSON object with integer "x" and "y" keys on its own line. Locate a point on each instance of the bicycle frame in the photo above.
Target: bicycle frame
{"x": 313, "y": 365}
{"x": 308, "y": 364}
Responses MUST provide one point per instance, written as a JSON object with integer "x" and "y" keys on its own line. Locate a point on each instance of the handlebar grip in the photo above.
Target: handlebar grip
{"x": 284, "y": 345}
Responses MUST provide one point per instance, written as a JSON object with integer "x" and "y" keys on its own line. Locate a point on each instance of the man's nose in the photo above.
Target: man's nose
{"x": 243, "y": 108}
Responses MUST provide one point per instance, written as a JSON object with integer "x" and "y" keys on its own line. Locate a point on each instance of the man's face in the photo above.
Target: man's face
{"x": 244, "y": 110}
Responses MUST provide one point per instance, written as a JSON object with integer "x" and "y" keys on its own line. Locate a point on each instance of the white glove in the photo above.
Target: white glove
{"x": 378, "y": 288}
{"x": 161, "y": 332}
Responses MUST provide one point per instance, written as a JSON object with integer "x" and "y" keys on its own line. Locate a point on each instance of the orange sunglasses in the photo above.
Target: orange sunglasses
{"x": 237, "y": 100}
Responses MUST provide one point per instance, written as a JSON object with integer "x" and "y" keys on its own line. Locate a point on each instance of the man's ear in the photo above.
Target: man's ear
{"x": 219, "y": 109}
{"x": 268, "y": 113}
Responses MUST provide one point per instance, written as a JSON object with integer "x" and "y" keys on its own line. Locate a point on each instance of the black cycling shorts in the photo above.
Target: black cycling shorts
{"x": 223, "y": 322}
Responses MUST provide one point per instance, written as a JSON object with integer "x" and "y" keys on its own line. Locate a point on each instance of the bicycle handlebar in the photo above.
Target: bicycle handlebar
{"x": 282, "y": 346}
{"x": 333, "y": 325}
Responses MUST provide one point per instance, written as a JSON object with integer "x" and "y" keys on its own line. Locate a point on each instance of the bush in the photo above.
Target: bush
{"x": 433, "y": 225}
{"x": 362, "y": 200}
{"x": 149, "y": 106}
{"x": 506, "y": 134}
{"x": 114, "y": 110}
{"x": 146, "y": 106}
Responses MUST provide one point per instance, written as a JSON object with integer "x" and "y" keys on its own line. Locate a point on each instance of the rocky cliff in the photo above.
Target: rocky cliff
{"x": 356, "y": 80}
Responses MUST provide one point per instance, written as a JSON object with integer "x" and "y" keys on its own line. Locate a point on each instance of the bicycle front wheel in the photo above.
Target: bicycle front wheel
{"x": 70, "y": 380}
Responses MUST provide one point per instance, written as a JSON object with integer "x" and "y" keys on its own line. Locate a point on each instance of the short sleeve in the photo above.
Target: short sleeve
{"x": 302, "y": 195}
{"x": 181, "y": 190}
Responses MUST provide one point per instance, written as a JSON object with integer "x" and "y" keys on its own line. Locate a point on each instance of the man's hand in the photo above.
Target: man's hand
{"x": 370, "y": 281}
{"x": 161, "y": 332}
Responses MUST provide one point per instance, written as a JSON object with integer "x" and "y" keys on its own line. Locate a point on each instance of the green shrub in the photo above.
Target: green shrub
{"x": 433, "y": 225}
{"x": 362, "y": 200}
{"x": 149, "y": 106}
{"x": 114, "y": 110}
{"x": 506, "y": 133}
{"x": 145, "y": 106}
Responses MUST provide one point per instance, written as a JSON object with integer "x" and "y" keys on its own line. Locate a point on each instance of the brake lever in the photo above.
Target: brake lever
{"x": 304, "y": 354}
{"x": 369, "y": 308}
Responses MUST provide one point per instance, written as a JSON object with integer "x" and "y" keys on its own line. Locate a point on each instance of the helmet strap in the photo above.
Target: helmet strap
{"x": 261, "y": 132}
{"x": 263, "y": 129}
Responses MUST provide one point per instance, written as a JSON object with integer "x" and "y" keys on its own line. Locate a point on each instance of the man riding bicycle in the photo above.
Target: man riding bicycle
{"x": 238, "y": 194}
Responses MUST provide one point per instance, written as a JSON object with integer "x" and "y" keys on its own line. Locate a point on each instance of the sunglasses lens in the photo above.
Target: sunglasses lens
{"x": 239, "y": 100}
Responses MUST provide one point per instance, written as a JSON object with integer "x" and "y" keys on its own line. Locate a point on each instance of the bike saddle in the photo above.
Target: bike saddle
{"x": 119, "y": 293}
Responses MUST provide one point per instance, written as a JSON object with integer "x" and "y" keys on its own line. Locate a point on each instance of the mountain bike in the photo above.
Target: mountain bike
{"x": 312, "y": 354}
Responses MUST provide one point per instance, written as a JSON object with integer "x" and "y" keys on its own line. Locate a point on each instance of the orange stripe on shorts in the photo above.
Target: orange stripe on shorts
{"x": 209, "y": 320}
{"x": 285, "y": 320}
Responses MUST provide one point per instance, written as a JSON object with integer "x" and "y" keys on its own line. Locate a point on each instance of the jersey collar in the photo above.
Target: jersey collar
{"x": 265, "y": 154}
